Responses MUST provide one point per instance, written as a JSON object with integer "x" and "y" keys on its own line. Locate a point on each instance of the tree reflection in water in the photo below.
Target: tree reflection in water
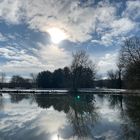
{"x": 132, "y": 117}
{"x": 116, "y": 101}
{"x": 80, "y": 111}
{"x": 82, "y": 115}
{"x": 15, "y": 98}
{"x": 129, "y": 107}
{"x": 60, "y": 103}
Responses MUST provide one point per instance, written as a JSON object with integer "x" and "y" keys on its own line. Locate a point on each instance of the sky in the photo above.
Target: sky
{"x": 37, "y": 35}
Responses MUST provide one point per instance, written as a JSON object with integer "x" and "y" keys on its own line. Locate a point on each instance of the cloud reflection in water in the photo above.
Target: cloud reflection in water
{"x": 44, "y": 117}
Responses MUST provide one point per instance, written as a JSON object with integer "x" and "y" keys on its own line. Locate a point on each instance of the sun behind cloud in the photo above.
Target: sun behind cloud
{"x": 57, "y": 35}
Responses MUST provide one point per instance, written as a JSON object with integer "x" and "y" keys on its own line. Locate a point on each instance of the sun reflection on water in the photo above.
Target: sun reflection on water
{"x": 56, "y": 137}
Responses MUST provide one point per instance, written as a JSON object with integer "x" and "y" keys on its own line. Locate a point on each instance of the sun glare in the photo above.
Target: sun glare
{"x": 57, "y": 35}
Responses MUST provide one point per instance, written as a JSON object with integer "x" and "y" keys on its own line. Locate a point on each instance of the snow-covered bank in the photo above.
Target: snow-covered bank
{"x": 65, "y": 91}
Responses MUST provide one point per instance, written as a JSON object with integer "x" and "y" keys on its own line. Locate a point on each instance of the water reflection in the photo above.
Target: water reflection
{"x": 82, "y": 115}
{"x": 116, "y": 101}
{"x": 132, "y": 117}
{"x": 15, "y": 98}
{"x": 80, "y": 111}
{"x": 1, "y": 103}
{"x": 58, "y": 103}
{"x": 89, "y": 117}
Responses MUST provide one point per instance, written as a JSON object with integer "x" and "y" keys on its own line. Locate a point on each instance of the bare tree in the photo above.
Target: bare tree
{"x": 83, "y": 70}
{"x": 120, "y": 70}
{"x": 81, "y": 58}
{"x": 33, "y": 79}
{"x": 129, "y": 62}
{"x": 112, "y": 75}
{"x": 19, "y": 82}
{"x": 130, "y": 51}
{"x": 115, "y": 77}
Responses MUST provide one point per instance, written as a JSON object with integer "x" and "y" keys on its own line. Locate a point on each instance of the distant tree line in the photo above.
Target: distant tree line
{"x": 60, "y": 78}
{"x": 81, "y": 73}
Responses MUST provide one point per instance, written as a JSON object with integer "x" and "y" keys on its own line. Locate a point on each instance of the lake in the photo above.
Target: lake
{"x": 65, "y": 117}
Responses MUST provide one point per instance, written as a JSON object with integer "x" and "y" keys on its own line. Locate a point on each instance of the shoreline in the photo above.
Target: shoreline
{"x": 62, "y": 91}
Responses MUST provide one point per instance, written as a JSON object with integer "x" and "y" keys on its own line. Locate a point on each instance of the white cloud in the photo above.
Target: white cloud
{"x": 54, "y": 55}
{"x": 121, "y": 26}
{"x": 10, "y": 10}
{"x": 132, "y": 10}
{"x": 20, "y": 61}
{"x": 105, "y": 13}
{"x": 77, "y": 21}
{"x": 7, "y": 53}
{"x": 98, "y": 23}
{"x": 23, "y": 68}
{"x": 44, "y": 58}
{"x": 107, "y": 62}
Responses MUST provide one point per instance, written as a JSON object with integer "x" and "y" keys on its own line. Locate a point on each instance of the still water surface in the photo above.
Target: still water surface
{"x": 86, "y": 117}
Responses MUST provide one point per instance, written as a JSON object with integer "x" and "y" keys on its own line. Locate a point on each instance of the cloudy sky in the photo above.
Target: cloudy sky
{"x": 38, "y": 35}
